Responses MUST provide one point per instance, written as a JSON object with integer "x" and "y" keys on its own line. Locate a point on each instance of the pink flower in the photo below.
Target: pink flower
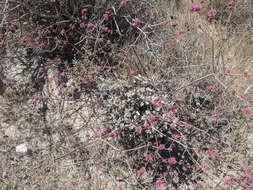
{"x": 245, "y": 74}
{"x": 36, "y": 98}
{"x": 88, "y": 76}
{"x": 82, "y": 25}
{"x": 142, "y": 170}
{"x": 200, "y": 185}
{"x": 112, "y": 134}
{"x": 243, "y": 96}
{"x": 106, "y": 16}
{"x": 105, "y": 28}
{"x": 99, "y": 68}
{"x": 247, "y": 176}
{"x": 120, "y": 187}
{"x": 149, "y": 158}
{"x": 104, "y": 130}
{"x": 40, "y": 69}
{"x": 213, "y": 153}
{"x": 62, "y": 32}
{"x": 195, "y": 8}
{"x": 151, "y": 118}
{"x": 198, "y": 7}
{"x": 230, "y": 3}
{"x": 231, "y": 176}
{"x": 99, "y": 167}
{"x": 172, "y": 160}
{"x": 178, "y": 33}
{"x": 161, "y": 147}
{"x": 197, "y": 167}
{"x": 208, "y": 14}
{"x": 133, "y": 56}
{"x": 132, "y": 72}
{"x": 174, "y": 24}
{"x": 12, "y": 23}
{"x": 159, "y": 183}
{"x": 1, "y": 36}
{"x": 244, "y": 186}
{"x": 63, "y": 85}
{"x": 246, "y": 111}
{"x": 123, "y": 2}
{"x": 175, "y": 136}
{"x": 90, "y": 25}
{"x": 209, "y": 88}
{"x": 70, "y": 69}
{"x": 228, "y": 70}
{"x": 138, "y": 130}
{"x": 136, "y": 22}
{"x": 216, "y": 116}
{"x": 63, "y": 74}
{"x": 202, "y": 1}
{"x": 184, "y": 168}
{"x": 191, "y": 8}
{"x": 147, "y": 126}
{"x": 84, "y": 10}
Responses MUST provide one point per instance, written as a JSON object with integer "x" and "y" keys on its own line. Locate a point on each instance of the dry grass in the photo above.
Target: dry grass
{"x": 201, "y": 47}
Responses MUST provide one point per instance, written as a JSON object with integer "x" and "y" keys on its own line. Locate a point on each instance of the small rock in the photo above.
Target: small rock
{"x": 22, "y": 149}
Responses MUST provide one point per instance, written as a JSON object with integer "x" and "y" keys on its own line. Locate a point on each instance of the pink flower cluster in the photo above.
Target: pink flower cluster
{"x": 151, "y": 117}
{"x": 193, "y": 8}
{"x": 246, "y": 111}
{"x": 84, "y": 10}
{"x": 138, "y": 130}
{"x": 210, "y": 13}
{"x": 149, "y": 158}
{"x": 112, "y": 134}
{"x": 159, "y": 183}
{"x": 123, "y": 2}
{"x": 142, "y": 170}
{"x": 63, "y": 85}
{"x": 211, "y": 153}
{"x": 209, "y": 88}
{"x": 243, "y": 96}
{"x": 106, "y": 16}
{"x": 36, "y": 98}
{"x": 216, "y": 116}
{"x": 161, "y": 147}
{"x": 172, "y": 160}
{"x": 90, "y": 25}
{"x": 62, "y": 32}
{"x": 82, "y": 25}
{"x": 136, "y": 22}
{"x": 230, "y": 3}
{"x": 174, "y": 24}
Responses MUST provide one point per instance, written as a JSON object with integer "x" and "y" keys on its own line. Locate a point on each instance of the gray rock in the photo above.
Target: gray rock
{"x": 22, "y": 149}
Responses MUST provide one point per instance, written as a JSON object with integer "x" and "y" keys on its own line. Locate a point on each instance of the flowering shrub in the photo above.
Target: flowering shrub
{"x": 229, "y": 12}
{"x": 132, "y": 93}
